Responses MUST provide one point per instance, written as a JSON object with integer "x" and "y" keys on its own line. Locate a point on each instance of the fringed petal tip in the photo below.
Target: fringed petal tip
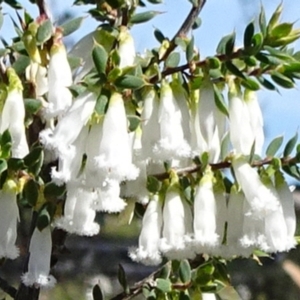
{"x": 70, "y": 226}
{"x": 10, "y": 253}
{"x": 182, "y": 250}
{"x": 163, "y": 151}
{"x": 46, "y": 138}
{"x": 109, "y": 205}
{"x": 140, "y": 255}
{"x": 60, "y": 178}
{"x": 40, "y": 281}
{"x": 205, "y": 244}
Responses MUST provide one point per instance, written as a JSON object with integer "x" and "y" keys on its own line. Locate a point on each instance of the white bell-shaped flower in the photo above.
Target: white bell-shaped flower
{"x": 261, "y": 200}
{"x": 37, "y": 75}
{"x": 235, "y": 221}
{"x": 69, "y": 127}
{"x": 59, "y": 79}
{"x": 256, "y": 119}
{"x": 148, "y": 250}
{"x": 205, "y": 226}
{"x": 126, "y": 48}
{"x": 13, "y": 115}
{"x": 114, "y": 159}
{"x": 211, "y": 121}
{"x": 78, "y": 212}
{"x": 288, "y": 207}
{"x": 39, "y": 260}
{"x": 171, "y": 143}
{"x": 177, "y": 226}
{"x": 108, "y": 197}
{"x": 9, "y": 216}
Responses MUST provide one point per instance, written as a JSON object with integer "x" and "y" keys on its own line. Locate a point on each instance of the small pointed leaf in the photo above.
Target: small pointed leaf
{"x": 185, "y": 271}
{"x": 143, "y": 17}
{"x": 163, "y": 285}
{"x": 100, "y": 58}
{"x": 44, "y": 32}
{"x": 274, "y": 146}
{"x": 173, "y": 60}
{"x": 290, "y": 145}
{"x": 129, "y": 82}
{"x": 97, "y": 293}
{"x": 71, "y": 26}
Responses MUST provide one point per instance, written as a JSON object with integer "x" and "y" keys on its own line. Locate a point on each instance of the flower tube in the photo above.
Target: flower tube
{"x": 39, "y": 260}
{"x": 13, "y": 115}
{"x": 9, "y": 216}
{"x": 177, "y": 227}
{"x": 148, "y": 250}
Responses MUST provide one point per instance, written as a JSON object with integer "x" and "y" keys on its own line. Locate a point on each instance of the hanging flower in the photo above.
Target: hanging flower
{"x": 212, "y": 122}
{"x": 288, "y": 208}
{"x": 111, "y": 154}
{"x": 261, "y": 200}
{"x": 205, "y": 236}
{"x": 13, "y": 115}
{"x": 79, "y": 215}
{"x": 148, "y": 250}
{"x": 177, "y": 226}
{"x": 39, "y": 260}
{"x": 59, "y": 79}
{"x": 171, "y": 143}
{"x": 69, "y": 127}
{"x": 126, "y": 48}
{"x": 9, "y": 216}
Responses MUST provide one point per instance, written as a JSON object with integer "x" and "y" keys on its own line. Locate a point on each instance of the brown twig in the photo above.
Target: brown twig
{"x": 185, "y": 27}
{"x": 43, "y": 8}
{"x": 223, "y": 165}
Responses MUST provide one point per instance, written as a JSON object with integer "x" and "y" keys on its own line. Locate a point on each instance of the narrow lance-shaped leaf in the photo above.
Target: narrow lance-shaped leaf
{"x": 250, "y": 83}
{"x": 173, "y": 60}
{"x": 159, "y": 35}
{"x": 100, "y": 58}
{"x": 274, "y": 146}
{"x": 185, "y": 271}
{"x": 190, "y": 49}
{"x": 143, "y": 17}
{"x": 262, "y": 21}
{"x": 282, "y": 80}
{"x": 219, "y": 100}
{"x": 229, "y": 46}
{"x": 71, "y": 26}
{"x": 290, "y": 145}
{"x": 31, "y": 192}
{"x": 44, "y": 32}
{"x": 249, "y": 32}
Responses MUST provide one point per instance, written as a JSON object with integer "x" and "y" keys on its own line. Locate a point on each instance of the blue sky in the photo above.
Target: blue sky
{"x": 219, "y": 17}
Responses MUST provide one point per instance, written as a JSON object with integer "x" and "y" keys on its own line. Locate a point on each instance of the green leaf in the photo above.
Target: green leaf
{"x": 281, "y": 30}
{"x": 185, "y": 271}
{"x": 213, "y": 63}
{"x": 263, "y": 21}
{"x": 173, "y": 60}
{"x": 71, "y": 26}
{"x": 45, "y": 216}
{"x": 15, "y": 164}
{"x": 44, "y": 32}
{"x": 129, "y": 82}
{"x": 14, "y": 4}
{"x": 123, "y": 279}
{"x": 5, "y": 138}
{"x": 290, "y": 145}
{"x": 275, "y": 18}
{"x": 274, "y": 146}
{"x": 32, "y": 106}
{"x": 102, "y": 104}
{"x": 250, "y": 84}
{"x": 52, "y": 190}
{"x": 197, "y": 23}
{"x": 34, "y": 156}
{"x": 234, "y": 70}
{"x": 163, "y": 285}
{"x": 165, "y": 271}
{"x": 31, "y": 192}
{"x": 134, "y": 122}
{"x": 249, "y": 32}
{"x": 220, "y": 102}
{"x": 143, "y": 17}
{"x": 100, "y": 58}
{"x": 292, "y": 170}
{"x": 190, "y": 50}
{"x": 97, "y": 293}
{"x": 229, "y": 46}
{"x": 159, "y": 35}
{"x": 266, "y": 83}
{"x": 282, "y": 80}
{"x": 21, "y": 64}
{"x": 3, "y": 165}
{"x": 153, "y": 184}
